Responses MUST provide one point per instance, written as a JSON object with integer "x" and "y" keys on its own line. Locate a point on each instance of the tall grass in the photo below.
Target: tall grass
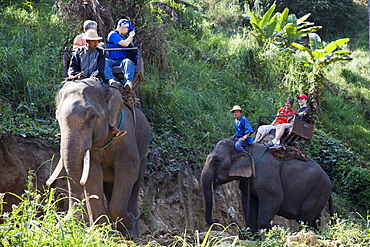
{"x": 347, "y": 102}
{"x": 35, "y": 221}
{"x": 31, "y": 37}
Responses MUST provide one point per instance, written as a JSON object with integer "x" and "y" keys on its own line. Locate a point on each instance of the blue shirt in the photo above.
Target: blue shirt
{"x": 113, "y": 39}
{"x": 243, "y": 127}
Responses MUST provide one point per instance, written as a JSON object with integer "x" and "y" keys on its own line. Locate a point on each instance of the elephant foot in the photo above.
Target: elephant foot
{"x": 212, "y": 221}
{"x": 133, "y": 219}
{"x": 130, "y": 229}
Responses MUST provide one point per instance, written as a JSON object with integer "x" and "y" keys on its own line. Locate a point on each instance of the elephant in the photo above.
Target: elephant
{"x": 294, "y": 189}
{"x": 110, "y": 168}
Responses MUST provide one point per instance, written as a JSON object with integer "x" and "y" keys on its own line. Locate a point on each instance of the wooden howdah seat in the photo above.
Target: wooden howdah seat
{"x": 298, "y": 136}
{"x": 117, "y": 70}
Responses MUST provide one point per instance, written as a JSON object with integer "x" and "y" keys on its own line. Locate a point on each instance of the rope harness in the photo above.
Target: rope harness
{"x": 261, "y": 154}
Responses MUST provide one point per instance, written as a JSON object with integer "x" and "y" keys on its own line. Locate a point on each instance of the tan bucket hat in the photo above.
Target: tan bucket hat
{"x": 236, "y": 108}
{"x": 91, "y": 34}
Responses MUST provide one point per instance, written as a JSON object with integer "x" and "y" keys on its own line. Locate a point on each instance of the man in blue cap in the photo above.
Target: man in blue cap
{"x": 117, "y": 39}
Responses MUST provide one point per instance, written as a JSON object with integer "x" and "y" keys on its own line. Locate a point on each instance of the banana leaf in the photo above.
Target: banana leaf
{"x": 335, "y": 44}
{"x": 292, "y": 18}
{"x": 271, "y": 27}
{"x": 282, "y": 20}
{"x": 315, "y": 41}
{"x": 267, "y": 16}
{"x": 303, "y": 18}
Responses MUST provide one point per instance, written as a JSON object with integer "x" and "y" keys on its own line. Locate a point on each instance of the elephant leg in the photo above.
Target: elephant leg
{"x": 251, "y": 214}
{"x": 309, "y": 211}
{"x": 133, "y": 207}
{"x": 95, "y": 192}
{"x": 268, "y": 207}
{"x": 250, "y": 206}
{"x": 134, "y": 199}
{"x": 122, "y": 190}
{"x": 108, "y": 190}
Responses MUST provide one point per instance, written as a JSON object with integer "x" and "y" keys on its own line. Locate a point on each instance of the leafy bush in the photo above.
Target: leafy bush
{"x": 356, "y": 186}
{"x": 350, "y": 176}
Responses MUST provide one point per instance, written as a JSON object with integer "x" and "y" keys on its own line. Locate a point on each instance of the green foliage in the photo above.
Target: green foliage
{"x": 294, "y": 30}
{"x": 30, "y": 41}
{"x": 352, "y": 182}
{"x": 281, "y": 28}
{"x": 356, "y": 186}
{"x": 23, "y": 120}
{"x": 336, "y": 16}
{"x": 321, "y": 56}
{"x": 265, "y": 25}
{"x": 351, "y": 231}
{"x": 35, "y": 221}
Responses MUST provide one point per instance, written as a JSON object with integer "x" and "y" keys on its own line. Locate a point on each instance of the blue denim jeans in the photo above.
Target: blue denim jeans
{"x": 128, "y": 69}
{"x": 240, "y": 145}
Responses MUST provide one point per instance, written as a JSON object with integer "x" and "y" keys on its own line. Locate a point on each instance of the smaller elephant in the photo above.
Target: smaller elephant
{"x": 293, "y": 189}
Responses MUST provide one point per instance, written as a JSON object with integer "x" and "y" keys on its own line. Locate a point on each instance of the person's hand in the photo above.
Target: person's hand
{"x": 232, "y": 137}
{"x": 273, "y": 124}
{"x": 101, "y": 44}
{"x": 69, "y": 78}
{"x": 131, "y": 34}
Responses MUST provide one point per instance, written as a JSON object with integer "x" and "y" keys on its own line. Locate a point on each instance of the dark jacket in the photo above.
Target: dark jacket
{"x": 88, "y": 61}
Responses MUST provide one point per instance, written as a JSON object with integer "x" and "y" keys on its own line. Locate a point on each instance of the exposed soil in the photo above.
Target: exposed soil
{"x": 169, "y": 205}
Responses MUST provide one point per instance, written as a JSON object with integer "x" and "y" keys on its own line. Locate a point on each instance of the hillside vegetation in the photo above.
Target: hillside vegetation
{"x": 196, "y": 69}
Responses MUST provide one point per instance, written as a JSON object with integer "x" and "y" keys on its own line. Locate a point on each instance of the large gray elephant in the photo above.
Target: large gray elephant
{"x": 293, "y": 189}
{"x": 103, "y": 170}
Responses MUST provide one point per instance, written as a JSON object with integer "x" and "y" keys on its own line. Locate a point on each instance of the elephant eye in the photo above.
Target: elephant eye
{"x": 217, "y": 162}
{"x": 91, "y": 116}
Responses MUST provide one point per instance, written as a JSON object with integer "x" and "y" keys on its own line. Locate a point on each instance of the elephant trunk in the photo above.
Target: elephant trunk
{"x": 208, "y": 176}
{"x": 75, "y": 155}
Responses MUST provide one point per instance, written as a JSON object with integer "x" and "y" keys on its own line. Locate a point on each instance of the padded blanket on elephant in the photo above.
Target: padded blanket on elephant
{"x": 290, "y": 154}
{"x": 130, "y": 98}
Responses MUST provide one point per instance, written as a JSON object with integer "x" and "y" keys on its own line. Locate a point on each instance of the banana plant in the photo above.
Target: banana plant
{"x": 294, "y": 30}
{"x": 265, "y": 26}
{"x": 320, "y": 56}
{"x": 282, "y": 28}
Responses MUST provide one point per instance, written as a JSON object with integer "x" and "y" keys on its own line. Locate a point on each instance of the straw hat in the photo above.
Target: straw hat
{"x": 236, "y": 108}
{"x": 91, "y": 34}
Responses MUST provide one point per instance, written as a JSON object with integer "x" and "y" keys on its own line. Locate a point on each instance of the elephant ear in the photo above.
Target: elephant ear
{"x": 241, "y": 167}
{"x": 115, "y": 105}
